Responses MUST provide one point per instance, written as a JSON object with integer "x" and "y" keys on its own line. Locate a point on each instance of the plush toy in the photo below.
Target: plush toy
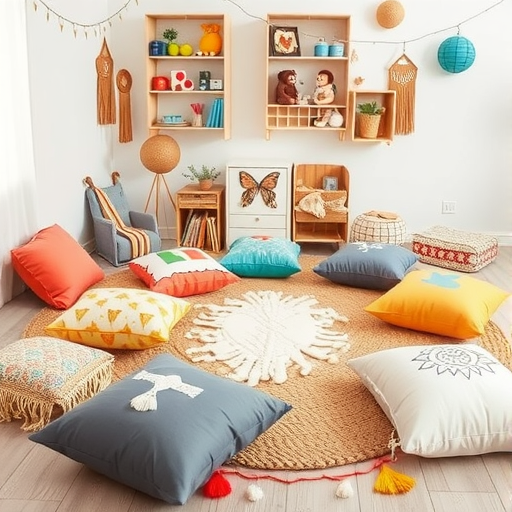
{"x": 324, "y": 95}
{"x": 211, "y": 41}
{"x": 325, "y": 88}
{"x": 286, "y": 90}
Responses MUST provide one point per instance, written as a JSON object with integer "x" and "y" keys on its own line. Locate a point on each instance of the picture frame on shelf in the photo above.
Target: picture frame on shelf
{"x": 284, "y": 41}
{"x": 330, "y": 183}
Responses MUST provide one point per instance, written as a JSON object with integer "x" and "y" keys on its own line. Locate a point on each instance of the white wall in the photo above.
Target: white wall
{"x": 461, "y": 149}
{"x": 68, "y": 143}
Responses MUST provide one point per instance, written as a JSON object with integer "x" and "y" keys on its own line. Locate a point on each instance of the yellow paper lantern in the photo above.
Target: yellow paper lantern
{"x": 390, "y": 13}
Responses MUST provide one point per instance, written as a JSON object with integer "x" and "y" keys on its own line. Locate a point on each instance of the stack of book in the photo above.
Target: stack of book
{"x": 216, "y": 114}
{"x": 201, "y": 231}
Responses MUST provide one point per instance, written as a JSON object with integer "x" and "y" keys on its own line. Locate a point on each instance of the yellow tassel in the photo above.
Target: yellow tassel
{"x": 390, "y": 481}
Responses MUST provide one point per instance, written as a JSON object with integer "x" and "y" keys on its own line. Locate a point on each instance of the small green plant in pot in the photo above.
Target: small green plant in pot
{"x": 372, "y": 108}
{"x": 205, "y": 176}
{"x": 368, "y": 119}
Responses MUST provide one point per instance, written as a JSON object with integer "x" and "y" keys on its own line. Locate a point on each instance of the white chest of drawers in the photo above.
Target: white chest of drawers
{"x": 258, "y": 197}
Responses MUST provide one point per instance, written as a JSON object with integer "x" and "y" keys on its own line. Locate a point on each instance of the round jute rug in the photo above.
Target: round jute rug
{"x": 334, "y": 420}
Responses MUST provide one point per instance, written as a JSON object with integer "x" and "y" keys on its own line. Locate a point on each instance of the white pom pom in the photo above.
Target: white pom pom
{"x": 344, "y": 490}
{"x": 254, "y": 492}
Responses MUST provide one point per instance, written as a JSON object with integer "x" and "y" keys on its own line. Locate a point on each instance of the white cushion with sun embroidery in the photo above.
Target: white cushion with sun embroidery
{"x": 444, "y": 400}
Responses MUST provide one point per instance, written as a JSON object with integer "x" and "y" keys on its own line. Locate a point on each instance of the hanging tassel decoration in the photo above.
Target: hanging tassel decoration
{"x": 124, "y": 85}
{"x": 217, "y": 486}
{"x": 106, "y": 103}
{"x": 390, "y": 481}
{"x": 402, "y": 79}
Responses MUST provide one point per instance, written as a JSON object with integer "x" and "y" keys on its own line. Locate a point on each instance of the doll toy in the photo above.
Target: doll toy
{"x": 324, "y": 95}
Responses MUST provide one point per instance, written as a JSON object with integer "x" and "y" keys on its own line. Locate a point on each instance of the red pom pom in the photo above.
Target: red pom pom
{"x": 217, "y": 487}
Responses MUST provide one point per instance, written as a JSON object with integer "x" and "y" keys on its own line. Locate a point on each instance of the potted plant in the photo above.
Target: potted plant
{"x": 368, "y": 119}
{"x": 205, "y": 177}
{"x": 170, "y": 35}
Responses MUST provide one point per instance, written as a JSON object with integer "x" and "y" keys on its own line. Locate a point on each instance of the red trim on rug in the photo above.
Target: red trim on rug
{"x": 377, "y": 463}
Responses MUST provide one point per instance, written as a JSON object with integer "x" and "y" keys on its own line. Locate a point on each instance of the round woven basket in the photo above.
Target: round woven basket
{"x": 390, "y": 14}
{"x": 368, "y": 125}
{"x": 367, "y": 228}
{"x": 205, "y": 184}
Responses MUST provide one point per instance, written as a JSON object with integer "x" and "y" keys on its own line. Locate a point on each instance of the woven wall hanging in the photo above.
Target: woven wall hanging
{"x": 124, "y": 85}
{"x": 402, "y": 79}
{"x": 106, "y": 101}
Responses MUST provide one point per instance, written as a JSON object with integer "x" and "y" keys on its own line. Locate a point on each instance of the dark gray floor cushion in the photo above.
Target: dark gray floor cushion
{"x": 194, "y": 422}
{"x": 372, "y": 265}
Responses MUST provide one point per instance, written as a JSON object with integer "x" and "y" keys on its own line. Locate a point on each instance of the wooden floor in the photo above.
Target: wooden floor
{"x": 36, "y": 479}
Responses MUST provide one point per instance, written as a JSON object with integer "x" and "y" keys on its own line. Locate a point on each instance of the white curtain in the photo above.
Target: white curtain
{"x": 17, "y": 173}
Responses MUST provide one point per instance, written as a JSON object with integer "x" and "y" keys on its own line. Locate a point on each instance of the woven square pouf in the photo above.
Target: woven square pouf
{"x": 454, "y": 249}
{"x": 378, "y": 226}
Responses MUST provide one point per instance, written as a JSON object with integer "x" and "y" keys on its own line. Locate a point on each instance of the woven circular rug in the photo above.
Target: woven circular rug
{"x": 334, "y": 420}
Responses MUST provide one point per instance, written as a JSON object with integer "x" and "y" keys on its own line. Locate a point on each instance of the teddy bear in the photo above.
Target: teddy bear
{"x": 286, "y": 90}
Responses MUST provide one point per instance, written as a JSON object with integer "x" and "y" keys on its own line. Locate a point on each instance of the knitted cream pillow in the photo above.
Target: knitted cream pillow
{"x": 43, "y": 376}
{"x": 120, "y": 318}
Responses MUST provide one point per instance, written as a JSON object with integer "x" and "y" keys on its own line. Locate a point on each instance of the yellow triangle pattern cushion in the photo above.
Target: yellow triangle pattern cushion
{"x": 120, "y": 318}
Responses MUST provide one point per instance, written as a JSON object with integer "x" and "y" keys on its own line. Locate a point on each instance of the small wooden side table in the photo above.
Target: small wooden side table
{"x": 200, "y": 217}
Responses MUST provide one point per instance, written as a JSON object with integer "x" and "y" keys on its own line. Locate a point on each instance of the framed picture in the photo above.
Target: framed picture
{"x": 330, "y": 183}
{"x": 284, "y": 41}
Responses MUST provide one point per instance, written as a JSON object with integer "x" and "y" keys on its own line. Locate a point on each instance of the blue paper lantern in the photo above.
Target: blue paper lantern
{"x": 456, "y": 54}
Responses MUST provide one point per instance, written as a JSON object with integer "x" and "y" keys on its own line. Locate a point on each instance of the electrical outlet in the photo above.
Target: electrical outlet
{"x": 448, "y": 207}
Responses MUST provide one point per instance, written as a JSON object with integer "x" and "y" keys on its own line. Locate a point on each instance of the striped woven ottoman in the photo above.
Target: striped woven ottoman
{"x": 455, "y": 250}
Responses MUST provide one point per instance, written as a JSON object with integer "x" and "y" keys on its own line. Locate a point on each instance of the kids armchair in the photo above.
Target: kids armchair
{"x": 121, "y": 234}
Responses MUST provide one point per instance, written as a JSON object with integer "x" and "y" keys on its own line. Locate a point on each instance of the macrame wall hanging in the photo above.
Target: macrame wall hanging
{"x": 124, "y": 85}
{"x": 106, "y": 101}
{"x": 402, "y": 79}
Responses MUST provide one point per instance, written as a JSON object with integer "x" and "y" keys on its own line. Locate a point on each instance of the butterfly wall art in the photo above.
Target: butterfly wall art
{"x": 265, "y": 187}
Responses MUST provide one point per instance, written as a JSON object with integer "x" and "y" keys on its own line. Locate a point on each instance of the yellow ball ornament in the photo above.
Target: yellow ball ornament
{"x": 186, "y": 50}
